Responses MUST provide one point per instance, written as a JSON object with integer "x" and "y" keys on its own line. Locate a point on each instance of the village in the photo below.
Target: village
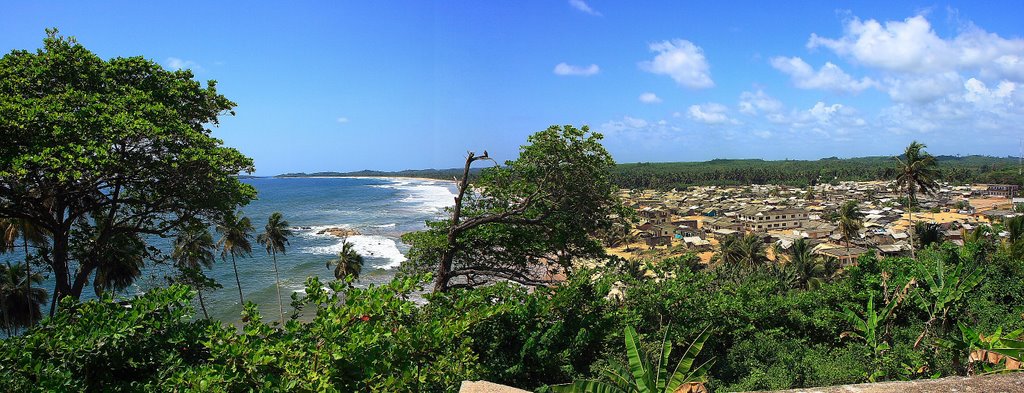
{"x": 671, "y": 223}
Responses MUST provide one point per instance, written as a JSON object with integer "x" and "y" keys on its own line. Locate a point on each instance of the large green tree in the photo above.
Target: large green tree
{"x": 98, "y": 152}
{"x": 526, "y": 219}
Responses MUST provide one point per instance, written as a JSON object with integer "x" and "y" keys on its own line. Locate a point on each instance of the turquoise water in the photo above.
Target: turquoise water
{"x": 381, "y": 209}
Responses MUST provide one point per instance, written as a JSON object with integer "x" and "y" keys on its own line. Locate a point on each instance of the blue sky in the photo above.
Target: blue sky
{"x": 401, "y": 85}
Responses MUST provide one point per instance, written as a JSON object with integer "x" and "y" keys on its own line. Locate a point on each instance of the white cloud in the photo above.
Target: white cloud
{"x": 583, "y": 6}
{"x": 342, "y": 120}
{"x": 912, "y": 46}
{"x": 180, "y": 64}
{"x": 759, "y": 102}
{"x": 763, "y": 133}
{"x": 979, "y": 94}
{"x": 710, "y": 113}
{"x": 683, "y": 61}
{"x": 571, "y": 70}
{"x": 649, "y": 98}
{"x": 828, "y": 77}
{"x": 923, "y": 88}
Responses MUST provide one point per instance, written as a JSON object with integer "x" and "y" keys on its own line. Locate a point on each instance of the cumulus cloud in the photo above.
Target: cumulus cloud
{"x": 584, "y": 7}
{"x": 828, "y": 77}
{"x": 181, "y": 64}
{"x": 710, "y": 113}
{"x": 758, "y": 102}
{"x": 649, "y": 98}
{"x": 681, "y": 60}
{"x": 923, "y": 88}
{"x": 342, "y": 120}
{"x": 912, "y": 46}
{"x": 564, "y": 69}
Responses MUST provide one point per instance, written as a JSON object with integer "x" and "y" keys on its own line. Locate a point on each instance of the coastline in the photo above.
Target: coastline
{"x": 364, "y": 177}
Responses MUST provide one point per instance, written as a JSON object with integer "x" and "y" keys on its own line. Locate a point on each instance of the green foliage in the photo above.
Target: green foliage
{"x": 99, "y": 153}
{"x": 349, "y": 264}
{"x": 648, "y": 375}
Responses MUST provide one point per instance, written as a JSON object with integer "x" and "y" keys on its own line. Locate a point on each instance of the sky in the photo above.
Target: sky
{"x": 342, "y": 86}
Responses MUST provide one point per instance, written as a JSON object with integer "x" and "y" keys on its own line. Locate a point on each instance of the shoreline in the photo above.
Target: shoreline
{"x": 361, "y": 177}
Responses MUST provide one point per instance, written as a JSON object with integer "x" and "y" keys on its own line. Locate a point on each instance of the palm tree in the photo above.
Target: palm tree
{"x": 917, "y": 171}
{"x": 810, "y": 267}
{"x": 123, "y": 258}
{"x": 20, "y": 304}
{"x": 235, "y": 231}
{"x": 752, "y": 251}
{"x": 849, "y": 222}
{"x": 193, "y": 251}
{"x": 10, "y": 230}
{"x": 274, "y": 238}
{"x": 348, "y": 263}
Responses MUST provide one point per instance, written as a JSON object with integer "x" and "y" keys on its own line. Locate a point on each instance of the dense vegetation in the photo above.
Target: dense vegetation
{"x": 766, "y": 330}
{"x": 665, "y": 175}
{"x": 803, "y": 173}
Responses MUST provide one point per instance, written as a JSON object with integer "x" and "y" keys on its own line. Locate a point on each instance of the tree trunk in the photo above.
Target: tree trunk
{"x": 444, "y": 268}
{"x": 277, "y": 277}
{"x": 28, "y": 277}
{"x": 202, "y": 304}
{"x": 910, "y": 228}
{"x": 237, "y": 281}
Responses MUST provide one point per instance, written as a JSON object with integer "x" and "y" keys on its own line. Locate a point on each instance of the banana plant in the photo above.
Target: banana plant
{"x": 943, "y": 288}
{"x": 987, "y": 350}
{"x": 644, "y": 376}
{"x": 867, "y": 328}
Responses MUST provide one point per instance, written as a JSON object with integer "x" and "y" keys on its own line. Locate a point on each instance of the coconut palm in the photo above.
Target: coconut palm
{"x": 235, "y": 233}
{"x": 193, "y": 251}
{"x": 20, "y": 304}
{"x": 916, "y": 172}
{"x": 849, "y": 221}
{"x": 810, "y": 268}
{"x": 11, "y": 229}
{"x": 348, "y": 263}
{"x": 274, "y": 238}
{"x": 123, "y": 258}
{"x": 752, "y": 251}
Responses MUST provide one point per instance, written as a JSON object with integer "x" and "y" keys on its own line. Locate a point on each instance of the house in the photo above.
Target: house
{"x": 999, "y": 190}
{"x": 845, "y": 255}
{"x": 894, "y": 250}
{"x": 654, "y": 215}
{"x": 757, "y": 219}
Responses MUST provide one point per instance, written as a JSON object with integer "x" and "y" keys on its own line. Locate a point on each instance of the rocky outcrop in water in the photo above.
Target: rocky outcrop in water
{"x": 339, "y": 232}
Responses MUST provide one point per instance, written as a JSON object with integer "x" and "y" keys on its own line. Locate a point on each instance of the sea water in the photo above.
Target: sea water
{"x": 380, "y": 209}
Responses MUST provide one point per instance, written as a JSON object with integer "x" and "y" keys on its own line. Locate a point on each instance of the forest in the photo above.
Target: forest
{"x": 800, "y": 173}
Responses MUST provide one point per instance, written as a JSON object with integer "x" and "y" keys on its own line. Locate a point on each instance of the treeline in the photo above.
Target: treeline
{"x": 799, "y": 173}
{"x": 804, "y": 173}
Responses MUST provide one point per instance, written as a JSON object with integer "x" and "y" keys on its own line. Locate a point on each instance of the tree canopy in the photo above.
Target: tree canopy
{"x": 100, "y": 152}
{"x": 525, "y": 219}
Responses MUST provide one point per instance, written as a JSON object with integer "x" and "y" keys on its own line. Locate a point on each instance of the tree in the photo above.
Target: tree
{"x": 274, "y": 238}
{"x": 849, "y": 221}
{"x": 348, "y": 263}
{"x": 12, "y": 229}
{"x": 193, "y": 251}
{"x": 916, "y": 171}
{"x": 235, "y": 231}
{"x": 20, "y": 304}
{"x": 121, "y": 139}
{"x": 526, "y": 219}
{"x": 810, "y": 267}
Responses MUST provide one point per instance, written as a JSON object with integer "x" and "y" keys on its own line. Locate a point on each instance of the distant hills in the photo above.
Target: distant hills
{"x": 957, "y": 169}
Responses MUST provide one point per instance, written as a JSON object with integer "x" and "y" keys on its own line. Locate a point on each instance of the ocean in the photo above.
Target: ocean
{"x": 380, "y": 209}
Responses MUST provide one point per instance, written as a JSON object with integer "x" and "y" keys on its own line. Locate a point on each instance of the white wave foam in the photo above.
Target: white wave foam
{"x": 391, "y": 225}
{"x": 368, "y": 246}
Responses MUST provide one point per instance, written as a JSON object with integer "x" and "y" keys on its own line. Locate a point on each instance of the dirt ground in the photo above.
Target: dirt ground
{"x": 1012, "y": 382}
